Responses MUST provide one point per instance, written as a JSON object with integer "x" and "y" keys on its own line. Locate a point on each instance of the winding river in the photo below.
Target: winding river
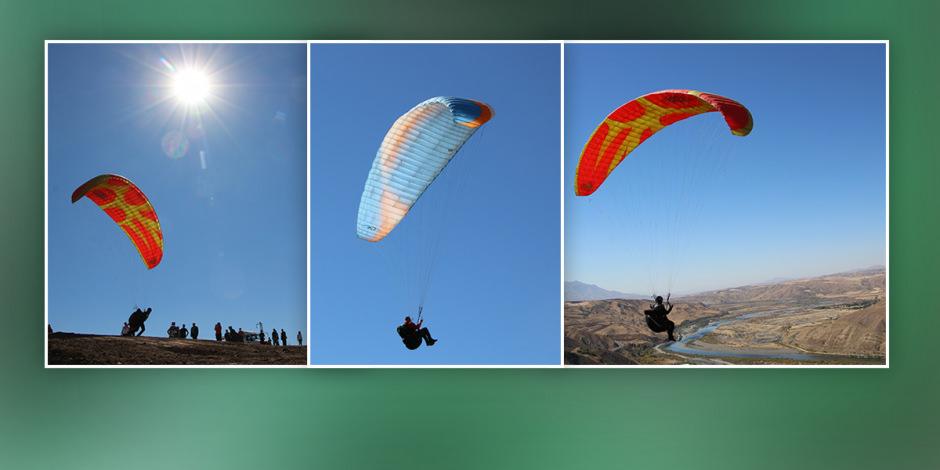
{"x": 684, "y": 346}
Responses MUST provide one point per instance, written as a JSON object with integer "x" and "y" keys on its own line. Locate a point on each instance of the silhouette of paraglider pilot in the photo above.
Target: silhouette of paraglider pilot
{"x": 412, "y": 333}
{"x": 136, "y": 321}
{"x": 656, "y": 317}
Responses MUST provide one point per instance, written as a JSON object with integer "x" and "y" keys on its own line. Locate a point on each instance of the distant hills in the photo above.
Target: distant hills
{"x": 772, "y": 289}
{"x": 576, "y": 291}
{"x": 868, "y": 281}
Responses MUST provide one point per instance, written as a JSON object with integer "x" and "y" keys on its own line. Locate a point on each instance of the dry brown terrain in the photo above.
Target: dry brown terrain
{"x": 845, "y": 330}
{"x": 74, "y": 349}
{"x": 615, "y": 331}
{"x": 839, "y": 314}
{"x": 839, "y": 318}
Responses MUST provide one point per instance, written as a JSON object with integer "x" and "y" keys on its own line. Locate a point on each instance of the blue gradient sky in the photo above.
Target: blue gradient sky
{"x": 494, "y": 294}
{"x": 233, "y": 219}
{"x": 696, "y": 208}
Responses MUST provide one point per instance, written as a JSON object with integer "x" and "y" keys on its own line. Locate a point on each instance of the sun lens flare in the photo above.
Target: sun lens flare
{"x": 191, "y": 87}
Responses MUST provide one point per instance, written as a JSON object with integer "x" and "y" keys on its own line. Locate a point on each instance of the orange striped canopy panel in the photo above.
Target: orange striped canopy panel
{"x": 130, "y": 209}
{"x": 631, "y": 124}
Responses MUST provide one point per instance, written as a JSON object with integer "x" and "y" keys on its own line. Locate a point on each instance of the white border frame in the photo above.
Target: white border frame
{"x": 561, "y": 364}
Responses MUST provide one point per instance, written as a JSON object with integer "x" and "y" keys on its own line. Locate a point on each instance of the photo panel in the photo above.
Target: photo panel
{"x": 726, "y": 204}
{"x": 176, "y": 204}
{"x": 434, "y": 196}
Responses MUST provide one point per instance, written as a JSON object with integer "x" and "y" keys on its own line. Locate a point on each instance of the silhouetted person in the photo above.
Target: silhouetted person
{"x": 412, "y": 333}
{"x": 274, "y": 337}
{"x": 241, "y": 336}
{"x": 656, "y": 318}
{"x": 136, "y": 321}
{"x": 283, "y": 337}
{"x": 50, "y": 327}
{"x": 173, "y": 330}
{"x": 125, "y": 330}
{"x": 218, "y": 331}
{"x": 262, "y": 340}
{"x": 183, "y": 332}
{"x": 230, "y": 334}
{"x": 194, "y": 332}
{"x": 300, "y": 339}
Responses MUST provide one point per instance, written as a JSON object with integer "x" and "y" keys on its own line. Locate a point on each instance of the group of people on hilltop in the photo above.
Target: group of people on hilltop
{"x": 283, "y": 338}
{"x": 135, "y": 325}
{"x": 231, "y": 335}
{"x": 181, "y": 332}
{"x": 277, "y": 339}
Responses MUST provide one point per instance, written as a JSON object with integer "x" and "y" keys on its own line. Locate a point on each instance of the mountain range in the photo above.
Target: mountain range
{"x": 579, "y": 291}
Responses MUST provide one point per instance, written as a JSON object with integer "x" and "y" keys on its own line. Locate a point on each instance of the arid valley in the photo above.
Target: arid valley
{"x": 833, "y": 319}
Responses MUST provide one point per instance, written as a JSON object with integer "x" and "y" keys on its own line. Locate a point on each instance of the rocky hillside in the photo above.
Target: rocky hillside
{"x": 852, "y": 331}
{"x": 615, "y": 331}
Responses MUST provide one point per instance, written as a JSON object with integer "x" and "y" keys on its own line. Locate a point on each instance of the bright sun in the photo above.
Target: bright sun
{"x": 191, "y": 86}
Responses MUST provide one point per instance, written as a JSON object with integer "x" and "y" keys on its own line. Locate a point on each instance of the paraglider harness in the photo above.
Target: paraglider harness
{"x": 410, "y": 337}
{"x": 652, "y": 322}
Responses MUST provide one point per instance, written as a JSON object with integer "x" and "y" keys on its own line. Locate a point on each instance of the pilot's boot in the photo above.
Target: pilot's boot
{"x": 428, "y": 340}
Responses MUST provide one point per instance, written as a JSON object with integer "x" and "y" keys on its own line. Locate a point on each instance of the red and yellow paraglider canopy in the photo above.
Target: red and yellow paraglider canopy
{"x": 634, "y": 122}
{"x": 127, "y": 205}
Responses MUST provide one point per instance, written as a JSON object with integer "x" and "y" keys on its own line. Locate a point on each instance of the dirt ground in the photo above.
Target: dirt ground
{"x": 79, "y": 349}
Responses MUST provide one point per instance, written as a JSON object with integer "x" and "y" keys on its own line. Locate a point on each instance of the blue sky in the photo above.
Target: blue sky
{"x": 231, "y": 203}
{"x": 696, "y": 208}
{"x": 494, "y": 293}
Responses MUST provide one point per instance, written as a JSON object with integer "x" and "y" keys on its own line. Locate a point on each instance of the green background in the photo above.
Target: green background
{"x": 473, "y": 418}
